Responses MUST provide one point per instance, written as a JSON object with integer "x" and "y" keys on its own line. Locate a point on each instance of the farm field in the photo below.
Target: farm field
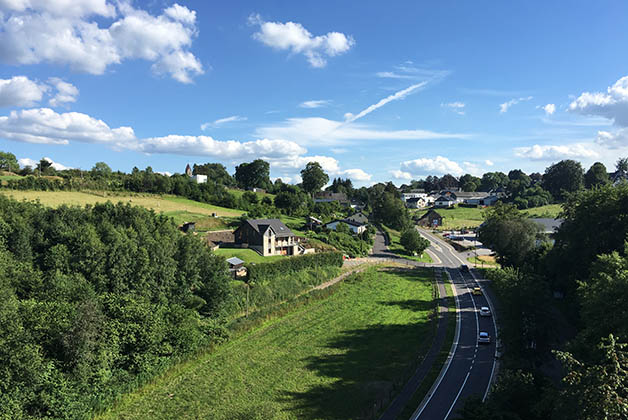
{"x": 334, "y": 358}
{"x": 161, "y": 204}
{"x": 246, "y": 255}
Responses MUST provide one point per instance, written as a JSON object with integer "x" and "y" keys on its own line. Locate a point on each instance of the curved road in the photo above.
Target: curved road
{"x": 470, "y": 369}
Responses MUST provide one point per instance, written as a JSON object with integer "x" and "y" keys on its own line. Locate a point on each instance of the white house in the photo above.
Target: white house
{"x": 355, "y": 227}
{"x": 412, "y": 194}
{"x": 199, "y": 179}
{"x": 445, "y": 201}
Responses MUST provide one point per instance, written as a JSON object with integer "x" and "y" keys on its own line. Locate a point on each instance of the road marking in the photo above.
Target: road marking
{"x": 458, "y": 395}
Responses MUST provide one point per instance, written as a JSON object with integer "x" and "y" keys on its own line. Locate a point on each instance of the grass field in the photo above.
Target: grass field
{"x": 398, "y": 249}
{"x": 260, "y": 195}
{"x": 155, "y": 202}
{"x": 484, "y": 260}
{"x": 470, "y": 217}
{"x": 246, "y": 255}
{"x": 332, "y": 359}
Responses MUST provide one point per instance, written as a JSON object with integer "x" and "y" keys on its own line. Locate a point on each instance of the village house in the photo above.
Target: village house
{"x": 445, "y": 201}
{"x": 329, "y": 197}
{"x": 359, "y": 217}
{"x": 267, "y": 237}
{"x": 431, "y": 219}
{"x": 355, "y": 227}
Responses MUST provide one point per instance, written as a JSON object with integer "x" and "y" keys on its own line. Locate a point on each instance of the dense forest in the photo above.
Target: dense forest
{"x": 563, "y": 318}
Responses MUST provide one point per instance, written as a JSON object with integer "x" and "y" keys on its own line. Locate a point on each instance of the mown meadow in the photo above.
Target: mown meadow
{"x": 341, "y": 357}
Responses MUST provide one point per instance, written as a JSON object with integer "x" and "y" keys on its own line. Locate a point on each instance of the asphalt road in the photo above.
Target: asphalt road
{"x": 470, "y": 369}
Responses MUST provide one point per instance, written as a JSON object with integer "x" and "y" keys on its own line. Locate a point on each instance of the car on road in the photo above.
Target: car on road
{"x": 485, "y": 311}
{"x": 464, "y": 268}
{"x": 477, "y": 291}
{"x": 484, "y": 338}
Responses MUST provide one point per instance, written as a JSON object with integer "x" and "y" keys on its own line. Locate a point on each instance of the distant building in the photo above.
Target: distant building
{"x": 199, "y": 179}
{"x": 431, "y": 219}
{"x": 548, "y": 227}
{"x": 445, "y": 201}
{"x": 413, "y": 194}
{"x": 328, "y": 197}
{"x": 359, "y": 217}
{"x": 236, "y": 267}
{"x": 188, "y": 227}
{"x": 312, "y": 222}
{"x": 188, "y": 170}
{"x": 267, "y": 236}
{"x": 355, "y": 227}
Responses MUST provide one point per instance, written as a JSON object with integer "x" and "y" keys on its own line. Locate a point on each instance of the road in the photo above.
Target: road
{"x": 471, "y": 367}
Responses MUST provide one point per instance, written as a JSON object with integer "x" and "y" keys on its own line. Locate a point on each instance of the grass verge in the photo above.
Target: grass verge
{"x": 398, "y": 249}
{"x": 247, "y": 255}
{"x": 334, "y": 358}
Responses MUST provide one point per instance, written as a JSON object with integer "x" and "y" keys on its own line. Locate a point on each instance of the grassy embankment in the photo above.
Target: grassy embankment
{"x": 338, "y": 357}
{"x": 246, "y": 255}
{"x": 470, "y": 217}
{"x": 484, "y": 261}
{"x": 398, "y": 249}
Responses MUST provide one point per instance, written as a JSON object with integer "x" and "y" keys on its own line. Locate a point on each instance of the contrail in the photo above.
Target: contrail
{"x": 395, "y": 96}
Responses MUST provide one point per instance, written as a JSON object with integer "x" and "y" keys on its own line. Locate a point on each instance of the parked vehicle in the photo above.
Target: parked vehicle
{"x": 485, "y": 311}
{"x": 484, "y": 338}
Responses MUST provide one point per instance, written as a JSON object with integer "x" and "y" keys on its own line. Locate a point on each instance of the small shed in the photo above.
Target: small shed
{"x": 188, "y": 227}
{"x": 236, "y": 267}
{"x": 431, "y": 219}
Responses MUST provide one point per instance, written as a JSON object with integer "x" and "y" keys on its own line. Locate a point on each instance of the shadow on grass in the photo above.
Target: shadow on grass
{"x": 369, "y": 366}
{"x": 417, "y": 305}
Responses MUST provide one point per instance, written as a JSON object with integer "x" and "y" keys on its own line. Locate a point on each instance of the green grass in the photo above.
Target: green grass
{"x": 550, "y": 211}
{"x": 247, "y": 255}
{"x": 430, "y": 378}
{"x": 238, "y": 193}
{"x": 203, "y": 222}
{"x": 398, "y": 249}
{"x": 334, "y": 358}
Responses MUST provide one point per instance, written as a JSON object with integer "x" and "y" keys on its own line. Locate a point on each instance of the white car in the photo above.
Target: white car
{"x": 484, "y": 338}
{"x": 485, "y": 311}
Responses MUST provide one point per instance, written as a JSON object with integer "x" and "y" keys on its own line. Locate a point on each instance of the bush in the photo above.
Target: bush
{"x": 268, "y": 271}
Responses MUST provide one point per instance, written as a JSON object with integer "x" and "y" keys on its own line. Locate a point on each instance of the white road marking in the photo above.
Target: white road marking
{"x": 458, "y": 395}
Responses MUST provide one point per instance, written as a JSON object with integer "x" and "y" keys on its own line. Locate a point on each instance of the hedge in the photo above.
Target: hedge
{"x": 268, "y": 271}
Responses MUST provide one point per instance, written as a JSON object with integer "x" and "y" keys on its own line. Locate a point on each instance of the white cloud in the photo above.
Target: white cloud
{"x": 549, "y": 109}
{"x": 472, "y": 168}
{"x": 221, "y": 121}
{"x": 166, "y": 173}
{"x": 66, "y": 92}
{"x": 438, "y": 165}
{"x": 329, "y": 164}
{"x": 318, "y": 130}
{"x": 315, "y": 103}
{"x": 506, "y": 105}
{"x": 394, "y": 97}
{"x": 612, "y": 105}
{"x": 355, "y": 174}
{"x": 613, "y": 140}
{"x": 295, "y": 38}
{"x": 397, "y": 174}
{"x": 24, "y": 162}
{"x": 553, "y": 152}
{"x": 488, "y": 162}
{"x": 20, "y": 91}
{"x": 457, "y": 107}
{"x": 408, "y": 71}
{"x": 45, "y": 126}
{"x": 67, "y": 32}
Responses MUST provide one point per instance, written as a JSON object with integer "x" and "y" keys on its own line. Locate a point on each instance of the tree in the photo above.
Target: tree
{"x": 493, "y": 180}
{"x": 622, "y": 166}
{"x": 44, "y": 166}
{"x": 390, "y": 210}
{"x": 449, "y": 181}
{"x": 518, "y": 182}
{"x": 469, "y": 182}
{"x": 413, "y": 242}
{"x": 566, "y": 176}
{"x": 255, "y": 174}
{"x": 509, "y": 233}
{"x": 596, "y": 175}
{"x": 314, "y": 178}
{"x": 292, "y": 200}
{"x": 8, "y": 162}
{"x": 215, "y": 172}
{"x": 101, "y": 170}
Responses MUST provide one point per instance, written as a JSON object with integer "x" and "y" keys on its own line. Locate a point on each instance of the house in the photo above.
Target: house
{"x": 359, "y": 217}
{"x": 498, "y": 192}
{"x": 328, "y": 197}
{"x": 199, "y": 179}
{"x": 312, "y": 222}
{"x": 472, "y": 198}
{"x": 267, "y": 237}
{"x": 431, "y": 219}
{"x": 413, "y": 194}
{"x": 419, "y": 202}
{"x": 355, "y": 227}
{"x": 188, "y": 227}
{"x": 445, "y": 201}
{"x": 188, "y": 170}
{"x": 548, "y": 227}
{"x": 236, "y": 267}
{"x": 258, "y": 190}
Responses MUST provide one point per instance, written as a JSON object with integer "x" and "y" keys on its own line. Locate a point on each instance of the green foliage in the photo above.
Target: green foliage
{"x": 469, "y": 182}
{"x": 254, "y": 174}
{"x": 101, "y": 170}
{"x": 8, "y": 162}
{"x": 314, "y": 178}
{"x": 348, "y": 243}
{"x": 267, "y": 271}
{"x": 509, "y": 233}
{"x": 566, "y": 176}
{"x": 596, "y": 176}
{"x": 413, "y": 242}
{"x": 389, "y": 210}
{"x": 493, "y": 180}
{"x": 95, "y": 299}
{"x": 216, "y": 173}
{"x": 292, "y": 200}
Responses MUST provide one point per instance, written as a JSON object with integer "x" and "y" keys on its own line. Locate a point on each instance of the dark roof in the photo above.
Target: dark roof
{"x": 471, "y": 194}
{"x": 348, "y": 222}
{"x": 445, "y": 198}
{"x": 431, "y": 212}
{"x": 261, "y": 225}
{"x": 414, "y": 199}
{"x": 548, "y": 225}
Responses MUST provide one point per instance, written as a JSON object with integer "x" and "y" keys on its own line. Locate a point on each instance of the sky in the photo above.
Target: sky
{"x": 373, "y": 91}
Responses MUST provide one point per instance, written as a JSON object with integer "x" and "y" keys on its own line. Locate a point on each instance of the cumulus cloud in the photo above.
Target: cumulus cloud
{"x": 295, "y": 38}
{"x": 317, "y": 130}
{"x": 355, "y": 174}
{"x": 397, "y": 174}
{"x": 612, "y": 105}
{"x": 488, "y": 162}
{"x": 549, "y": 109}
{"x": 315, "y": 103}
{"x": 67, "y": 32}
{"x": 437, "y": 165}
{"x": 221, "y": 121}
{"x": 457, "y": 107}
{"x": 503, "y": 108}
{"x": 24, "y": 162}
{"x": 20, "y": 91}
{"x": 553, "y": 152}
{"x": 65, "y": 92}
{"x": 613, "y": 140}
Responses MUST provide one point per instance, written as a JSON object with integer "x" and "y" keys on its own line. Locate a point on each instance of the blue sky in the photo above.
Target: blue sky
{"x": 372, "y": 91}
